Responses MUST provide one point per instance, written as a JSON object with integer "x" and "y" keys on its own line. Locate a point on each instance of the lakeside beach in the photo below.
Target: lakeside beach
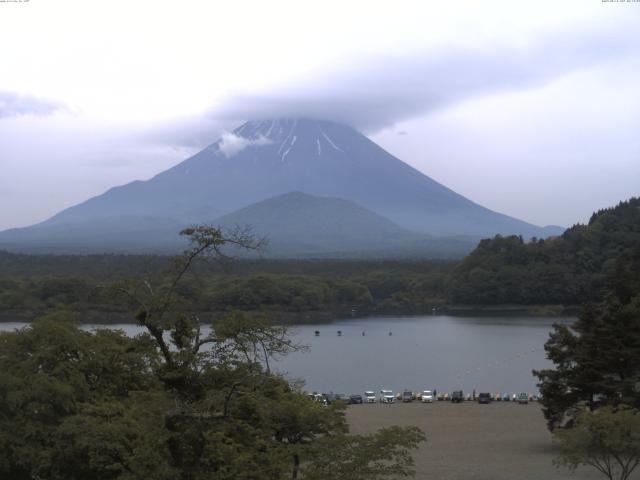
{"x": 498, "y": 441}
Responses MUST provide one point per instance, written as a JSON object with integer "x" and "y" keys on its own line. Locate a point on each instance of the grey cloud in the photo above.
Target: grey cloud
{"x": 379, "y": 91}
{"x": 13, "y": 104}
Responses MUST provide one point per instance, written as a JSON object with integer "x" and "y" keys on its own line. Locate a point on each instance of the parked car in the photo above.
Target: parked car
{"x": 386, "y": 396}
{"x": 427, "y": 396}
{"x": 523, "y": 398}
{"x": 484, "y": 397}
{"x": 457, "y": 396}
{"x": 407, "y": 396}
{"x": 369, "y": 396}
{"x": 355, "y": 399}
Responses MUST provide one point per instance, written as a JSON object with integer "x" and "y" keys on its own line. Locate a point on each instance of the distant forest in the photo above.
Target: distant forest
{"x": 567, "y": 270}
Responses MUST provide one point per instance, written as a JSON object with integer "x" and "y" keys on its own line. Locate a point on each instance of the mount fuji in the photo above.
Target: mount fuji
{"x": 261, "y": 160}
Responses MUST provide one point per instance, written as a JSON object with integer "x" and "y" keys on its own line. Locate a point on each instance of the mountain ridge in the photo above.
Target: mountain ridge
{"x": 302, "y": 225}
{"x": 263, "y": 159}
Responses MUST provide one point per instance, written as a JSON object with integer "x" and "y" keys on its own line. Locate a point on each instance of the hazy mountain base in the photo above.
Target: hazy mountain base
{"x": 296, "y": 225}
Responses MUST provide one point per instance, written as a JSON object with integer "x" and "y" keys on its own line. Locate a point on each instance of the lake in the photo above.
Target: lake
{"x": 494, "y": 354}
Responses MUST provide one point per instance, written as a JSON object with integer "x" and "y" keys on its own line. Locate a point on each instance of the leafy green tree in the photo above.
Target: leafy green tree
{"x": 175, "y": 402}
{"x": 597, "y": 359}
{"x": 607, "y": 440}
{"x": 65, "y": 394}
{"x": 383, "y": 455}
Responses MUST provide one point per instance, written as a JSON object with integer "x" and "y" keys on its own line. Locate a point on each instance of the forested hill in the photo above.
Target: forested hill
{"x": 570, "y": 269}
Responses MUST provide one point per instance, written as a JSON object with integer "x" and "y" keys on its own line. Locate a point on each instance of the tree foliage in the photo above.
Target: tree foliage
{"x": 597, "y": 359}
{"x": 571, "y": 269}
{"x": 607, "y": 440}
{"x": 383, "y": 455}
{"x": 283, "y": 295}
{"x": 178, "y": 401}
{"x": 65, "y": 394}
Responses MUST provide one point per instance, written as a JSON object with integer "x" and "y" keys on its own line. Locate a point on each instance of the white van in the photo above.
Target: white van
{"x": 427, "y": 396}
{"x": 386, "y": 396}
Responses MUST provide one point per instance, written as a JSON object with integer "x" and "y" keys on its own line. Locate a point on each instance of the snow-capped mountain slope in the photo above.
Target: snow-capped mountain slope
{"x": 261, "y": 159}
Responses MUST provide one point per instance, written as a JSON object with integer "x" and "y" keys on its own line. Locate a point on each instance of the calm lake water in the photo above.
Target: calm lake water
{"x": 494, "y": 354}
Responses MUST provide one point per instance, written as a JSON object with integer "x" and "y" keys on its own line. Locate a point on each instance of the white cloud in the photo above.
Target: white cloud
{"x": 231, "y": 144}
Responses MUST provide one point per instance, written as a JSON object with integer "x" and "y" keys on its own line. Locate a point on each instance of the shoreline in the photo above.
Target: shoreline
{"x": 326, "y": 316}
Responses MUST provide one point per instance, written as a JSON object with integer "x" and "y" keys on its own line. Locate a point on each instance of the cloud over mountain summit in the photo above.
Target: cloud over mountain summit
{"x": 376, "y": 91}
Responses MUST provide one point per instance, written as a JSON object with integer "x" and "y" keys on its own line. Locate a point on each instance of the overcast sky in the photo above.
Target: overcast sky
{"x": 530, "y": 108}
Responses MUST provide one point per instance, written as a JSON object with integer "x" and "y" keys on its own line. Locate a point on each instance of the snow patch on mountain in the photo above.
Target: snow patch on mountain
{"x": 331, "y": 142}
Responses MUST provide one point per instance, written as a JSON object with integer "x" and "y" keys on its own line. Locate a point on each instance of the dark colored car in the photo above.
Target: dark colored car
{"x": 407, "y": 396}
{"x": 484, "y": 398}
{"x": 355, "y": 399}
{"x": 457, "y": 396}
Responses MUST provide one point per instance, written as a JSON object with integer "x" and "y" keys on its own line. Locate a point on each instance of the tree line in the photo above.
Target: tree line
{"x": 566, "y": 270}
{"x": 570, "y": 269}
{"x": 375, "y": 290}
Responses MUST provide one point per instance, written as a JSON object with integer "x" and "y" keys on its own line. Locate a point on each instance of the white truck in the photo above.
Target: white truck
{"x": 369, "y": 397}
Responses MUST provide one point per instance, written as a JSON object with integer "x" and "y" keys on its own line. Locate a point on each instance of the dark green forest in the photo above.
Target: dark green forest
{"x": 288, "y": 290}
{"x": 566, "y": 271}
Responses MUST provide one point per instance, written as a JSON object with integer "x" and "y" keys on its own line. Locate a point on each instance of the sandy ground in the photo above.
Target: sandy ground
{"x": 499, "y": 441}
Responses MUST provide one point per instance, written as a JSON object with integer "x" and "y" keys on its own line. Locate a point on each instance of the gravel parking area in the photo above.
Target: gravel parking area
{"x": 498, "y": 441}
